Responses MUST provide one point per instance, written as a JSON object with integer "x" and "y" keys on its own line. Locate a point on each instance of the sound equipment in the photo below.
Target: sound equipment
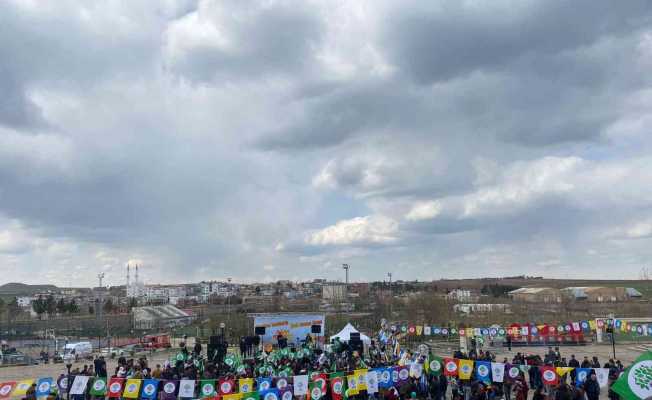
{"x": 315, "y": 329}
{"x": 356, "y": 345}
{"x": 354, "y": 336}
{"x": 215, "y": 340}
{"x": 259, "y": 330}
{"x": 282, "y": 342}
{"x": 255, "y": 340}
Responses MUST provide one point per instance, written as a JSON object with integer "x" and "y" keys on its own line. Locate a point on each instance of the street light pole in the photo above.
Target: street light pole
{"x": 391, "y": 297}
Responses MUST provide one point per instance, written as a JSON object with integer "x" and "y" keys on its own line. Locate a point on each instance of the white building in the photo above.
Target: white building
{"x": 25, "y": 301}
{"x": 334, "y": 292}
{"x": 219, "y": 289}
{"x": 158, "y": 293}
{"x": 459, "y": 295}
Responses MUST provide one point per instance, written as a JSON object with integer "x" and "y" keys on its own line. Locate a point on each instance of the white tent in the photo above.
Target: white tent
{"x": 345, "y": 335}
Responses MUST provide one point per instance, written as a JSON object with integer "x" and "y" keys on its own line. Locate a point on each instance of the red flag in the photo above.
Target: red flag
{"x": 451, "y": 366}
{"x": 337, "y": 387}
{"x": 227, "y": 386}
{"x": 6, "y": 388}
{"x": 115, "y": 387}
{"x": 321, "y": 379}
{"x": 548, "y": 375}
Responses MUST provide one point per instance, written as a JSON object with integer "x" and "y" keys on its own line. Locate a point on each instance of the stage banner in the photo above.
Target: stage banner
{"x": 294, "y": 327}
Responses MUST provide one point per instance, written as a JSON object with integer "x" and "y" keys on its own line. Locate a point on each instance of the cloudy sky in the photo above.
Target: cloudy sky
{"x": 267, "y": 140}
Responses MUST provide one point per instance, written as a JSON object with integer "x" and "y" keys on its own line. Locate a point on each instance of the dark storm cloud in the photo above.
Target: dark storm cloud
{"x": 211, "y": 138}
{"x": 437, "y": 42}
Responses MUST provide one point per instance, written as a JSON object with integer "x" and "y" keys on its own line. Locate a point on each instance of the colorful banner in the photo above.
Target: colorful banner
{"x": 98, "y": 388}
{"x": 636, "y": 381}
{"x": 451, "y": 366}
{"x": 264, "y": 384}
{"x": 498, "y": 372}
{"x": 187, "y": 388}
{"x": 465, "y": 369}
{"x": 116, "y": 386}
{"x": 246, "y": 385}
{"x": 300, "y": 385}
{"x": 6, "y": 388}
{"x": 207, "y": 388}
{"x": 132, "y": 388}
{"x": 548, "y": 375}
{"x": 169, "y": 390}
{"x": 150, "y": 389}
{"x": 79, "y": 384}
{"x": 22, "y": 387}
{"x": 483, "y": 371}
{"x": 337, "y": 386}
{"x": 293, "y": 327}
{"x": 44, "y": 387}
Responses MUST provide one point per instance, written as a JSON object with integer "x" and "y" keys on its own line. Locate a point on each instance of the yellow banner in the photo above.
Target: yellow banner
{"x": 561, "y": 371}
{"x": 465, "y": 369}
{"x": 246, "y": 385}
{"x": 419, "y": 330}
{"x": 22, "y": 387}
{"x": 233, "y": 396}
{"x": 352, "y": 384}
{"x": 361, "y": 378}
{"x": 132, "y": 389}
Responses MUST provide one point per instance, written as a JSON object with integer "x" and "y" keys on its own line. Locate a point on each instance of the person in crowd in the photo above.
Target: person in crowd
{"x": 592, "y": 387}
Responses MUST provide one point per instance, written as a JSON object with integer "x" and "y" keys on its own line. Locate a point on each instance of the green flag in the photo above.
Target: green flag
{"x": 433, "y": 365}
{"x": 636, "y": 382}
{"x": 99, "y": 387}
{"x": 250, "y": 396}
{"x": 207, "y": 388}
{"x": 315, "y": 390}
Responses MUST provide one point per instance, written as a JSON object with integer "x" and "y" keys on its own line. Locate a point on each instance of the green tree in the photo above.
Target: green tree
{"x": 72, "y": 307}
{"x": 50, "y": 305}
{"x": 61, "y": 306}
{"x": 39, "y": 306}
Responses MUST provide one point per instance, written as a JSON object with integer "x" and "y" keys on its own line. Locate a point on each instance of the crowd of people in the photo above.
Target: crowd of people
{"x": 194, "y": 364}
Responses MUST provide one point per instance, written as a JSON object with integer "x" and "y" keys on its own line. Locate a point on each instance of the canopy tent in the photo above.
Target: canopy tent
{"x": 345, "y": 335}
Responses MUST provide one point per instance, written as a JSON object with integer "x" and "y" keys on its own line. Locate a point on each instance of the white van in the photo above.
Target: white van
{"x": 77, "y": 351}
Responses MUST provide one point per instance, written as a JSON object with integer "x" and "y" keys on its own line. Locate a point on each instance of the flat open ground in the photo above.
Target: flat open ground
{"x": 625, "y": 352}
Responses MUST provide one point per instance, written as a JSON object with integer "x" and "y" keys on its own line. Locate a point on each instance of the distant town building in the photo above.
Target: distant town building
{"x": 135, "y": 288}
{"x": 154, "y": 317}
{"x": 217, "y": 289}
{"x": 459, "y": 295}
{"x": 334, "y": 292}
{"x": 467, "y": 308}
{"x": 598, "y": 294}
{"x": 536, "y": 295}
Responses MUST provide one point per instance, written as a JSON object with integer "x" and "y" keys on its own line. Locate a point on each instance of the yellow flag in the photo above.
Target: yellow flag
{"x": 132, "y": 389}
{"x": 561, "y": 371}
{"x": 419, "y": 330}
{"x": 246, "y": 385}
{"x": 22, "y": 387}
{"x": 361, "y": 378}
{"x": 352, "y": 384}
{"x": 592, "y": 324}
{"x": 465, "y": 369}
{"x": 623, "y": 327}
{"x": 233, "y": 396}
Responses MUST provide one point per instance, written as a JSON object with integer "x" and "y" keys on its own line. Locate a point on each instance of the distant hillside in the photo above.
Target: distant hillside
{"x": 21, "y": 289}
